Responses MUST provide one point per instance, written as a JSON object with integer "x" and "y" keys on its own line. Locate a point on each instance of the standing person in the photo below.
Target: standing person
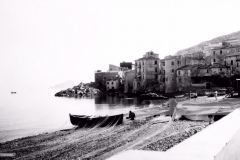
{"x": 216, "y": 95}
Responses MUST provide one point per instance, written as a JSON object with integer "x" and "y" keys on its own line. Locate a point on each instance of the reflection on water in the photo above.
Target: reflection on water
{"x": 111, "y": 100}
{"x": 29, "y": 113}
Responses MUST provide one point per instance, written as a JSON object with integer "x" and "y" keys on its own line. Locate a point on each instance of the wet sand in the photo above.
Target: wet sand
{"x": 146, "y": 132}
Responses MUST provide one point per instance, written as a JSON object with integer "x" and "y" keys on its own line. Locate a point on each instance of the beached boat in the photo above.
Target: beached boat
{"x": 92, "y": 121}
{"x": 13, "y": 92}
{"x": 207, "y": 117}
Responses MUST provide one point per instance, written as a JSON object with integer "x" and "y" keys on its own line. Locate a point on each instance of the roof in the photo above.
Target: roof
{"x": 225, "y": 47}
{"x": 147, "y": 58}
{"x": 214, "y": 65}
{"x": 218, "y": 65}
{"x": 169, "y": 57}
{"x": 188, "y": 67}
{"x": 233, "y": 54}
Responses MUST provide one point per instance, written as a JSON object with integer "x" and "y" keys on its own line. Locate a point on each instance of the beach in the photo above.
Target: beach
{"x": 149, "y": 131}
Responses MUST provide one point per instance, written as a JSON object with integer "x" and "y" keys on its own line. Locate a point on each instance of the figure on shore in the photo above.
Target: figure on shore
{"x": 216, "y": 95}
{"x": 195, "y": 96}
{"x": 131, "y": 115}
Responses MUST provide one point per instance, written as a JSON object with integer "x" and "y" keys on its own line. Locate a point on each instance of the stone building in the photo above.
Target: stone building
{"x": 218, "y": 54}
{"x": 128, "y": 81}
{"x": 184, "y": 82}
{"x": 112, "y": 85}
{"x": 211, "y": 75}
{"x": 171, "y": 64}
{"x": 102, "y": 77}
{"x": 147, "y": 71}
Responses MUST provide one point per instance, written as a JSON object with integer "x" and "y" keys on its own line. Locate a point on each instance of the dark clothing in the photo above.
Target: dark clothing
{"x": 131, "y": 115}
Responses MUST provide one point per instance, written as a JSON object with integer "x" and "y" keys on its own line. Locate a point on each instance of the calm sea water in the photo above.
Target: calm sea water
{"x": 30, "y": 112}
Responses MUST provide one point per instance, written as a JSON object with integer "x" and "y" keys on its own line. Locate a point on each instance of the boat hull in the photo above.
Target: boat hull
{"x": 88, "y": 122}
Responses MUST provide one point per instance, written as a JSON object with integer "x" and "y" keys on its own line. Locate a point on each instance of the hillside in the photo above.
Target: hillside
{"x": 235, "y": 35}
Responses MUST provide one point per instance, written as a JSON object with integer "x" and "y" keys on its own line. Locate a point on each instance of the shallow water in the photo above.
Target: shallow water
{"x": 31, "y": 112}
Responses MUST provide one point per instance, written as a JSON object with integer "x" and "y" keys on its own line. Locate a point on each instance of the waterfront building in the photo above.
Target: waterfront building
{"x": 211, "y": 75}
{"x": 161, "y": 75}
{"x": 128, "y": 81}
{"x": 183, "y": 79}
{"x": 147, "y": 71}
{"x": 112, "y": 85}
{"x": 170, "y": 73}
{"x": 102, "y": 77}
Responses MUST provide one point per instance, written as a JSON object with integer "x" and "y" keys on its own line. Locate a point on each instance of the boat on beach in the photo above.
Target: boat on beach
{"x": 13, "y": 92}
{"x": 95, "y": 121}
{"x": 207, "y": 117}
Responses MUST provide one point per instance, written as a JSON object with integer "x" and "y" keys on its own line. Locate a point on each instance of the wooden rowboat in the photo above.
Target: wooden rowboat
{"x": 100, "y": 121}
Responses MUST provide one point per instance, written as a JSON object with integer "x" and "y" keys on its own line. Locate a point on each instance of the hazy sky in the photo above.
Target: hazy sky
{"x": 45, "y": 42}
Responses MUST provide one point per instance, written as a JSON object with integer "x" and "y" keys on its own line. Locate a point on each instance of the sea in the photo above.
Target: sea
{"x": 34, "y": 111}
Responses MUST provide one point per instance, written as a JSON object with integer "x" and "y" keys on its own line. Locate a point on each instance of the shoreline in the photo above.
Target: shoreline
{"x": 147, "y": 132}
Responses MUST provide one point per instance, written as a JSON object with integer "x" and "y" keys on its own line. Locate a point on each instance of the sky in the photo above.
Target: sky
{"x": 46, "y": 42}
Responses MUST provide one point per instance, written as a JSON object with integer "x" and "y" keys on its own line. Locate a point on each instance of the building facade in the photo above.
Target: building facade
{"x": 112, "y": 85}
{"x": 128, "y": 81}
{"x": 102, "y": 77}
{"x": 147, "y": 71}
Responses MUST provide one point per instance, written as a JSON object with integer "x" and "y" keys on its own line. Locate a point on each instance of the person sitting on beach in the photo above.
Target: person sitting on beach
{"x": 131, "y": 115}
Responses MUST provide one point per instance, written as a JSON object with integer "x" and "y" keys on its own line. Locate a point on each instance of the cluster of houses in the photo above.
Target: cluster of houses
{"x": 215, "y": 65}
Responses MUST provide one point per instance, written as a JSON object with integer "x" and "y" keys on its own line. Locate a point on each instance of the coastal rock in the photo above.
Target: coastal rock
{"x": 78, "y": 91}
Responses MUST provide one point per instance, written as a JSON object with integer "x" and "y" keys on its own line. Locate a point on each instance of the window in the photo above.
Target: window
{"x": 225, "y": 63}
{"x": 179, "y": 63}
{"x": 221, "y": 69}
{"x": 163, "y": 63}
{"x": 155, "y": 69}
{"x": 207, "y": 70}
{"x": 231, "y": 62}
{"x": 179, "y": 73}
{"x": 214, "y": 53}
{"x": 156, "y": 76}
{"x": 163, "y": 79}
{"x": 220, "y": 51}
{"x": 143, "y": 63}
{"x": 107, "y": 82}
{"x": 172, "y": 63}
{"x": 180, "y": 80}
{"x": 172, "y": 70}
{"x": 138, "y": 84}
{"x": 156, "y": 62}
{"x": 214, "y": 60}
{"x": 237, "y": 64}
{"x": 166, "y": 79}
{"x": 163, "y": 71}
{"x": 112, "y": 82}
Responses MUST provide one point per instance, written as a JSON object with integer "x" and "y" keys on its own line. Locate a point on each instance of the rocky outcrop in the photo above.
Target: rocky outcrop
{"x": 78, "y": 91}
